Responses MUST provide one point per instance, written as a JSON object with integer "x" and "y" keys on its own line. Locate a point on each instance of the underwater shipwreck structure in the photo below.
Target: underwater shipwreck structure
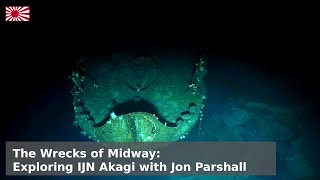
{"x": 130, "y": 97}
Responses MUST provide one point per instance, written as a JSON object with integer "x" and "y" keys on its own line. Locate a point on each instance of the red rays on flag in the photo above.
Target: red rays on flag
{"x": 17, "y": 13}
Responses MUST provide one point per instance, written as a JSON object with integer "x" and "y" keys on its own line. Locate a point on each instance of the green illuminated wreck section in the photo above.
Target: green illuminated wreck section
{"x": 142, "y": 98}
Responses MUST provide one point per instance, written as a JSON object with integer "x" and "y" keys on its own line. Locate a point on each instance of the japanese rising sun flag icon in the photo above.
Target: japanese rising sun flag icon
{"x": 17, "y": 13}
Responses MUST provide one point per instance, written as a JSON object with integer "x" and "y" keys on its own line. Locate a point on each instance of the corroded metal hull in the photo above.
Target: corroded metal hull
{"x": 171, "y": 103}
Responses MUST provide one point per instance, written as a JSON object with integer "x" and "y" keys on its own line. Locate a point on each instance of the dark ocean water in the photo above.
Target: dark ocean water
{"x": 48, "y": 115}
